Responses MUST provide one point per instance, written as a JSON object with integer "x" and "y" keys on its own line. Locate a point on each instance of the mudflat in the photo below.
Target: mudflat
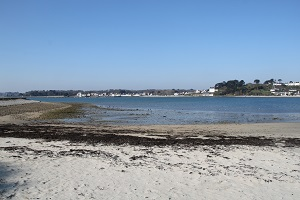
{"x": 23, "y": 111}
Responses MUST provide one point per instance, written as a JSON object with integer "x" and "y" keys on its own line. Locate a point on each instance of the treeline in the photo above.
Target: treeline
{"x": 70, "y": 93}
{"x": 236, "y": 87}
{"x": 66, "y": 93}
{"x": 230, "y": 88}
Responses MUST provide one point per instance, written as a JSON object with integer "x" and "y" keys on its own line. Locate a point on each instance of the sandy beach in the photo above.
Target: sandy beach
{"x": 49, "y": 160}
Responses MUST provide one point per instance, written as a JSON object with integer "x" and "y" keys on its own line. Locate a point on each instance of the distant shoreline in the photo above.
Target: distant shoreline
{"x": 11, "y": 98}
{"x": 268, "y": 96}
{"x": 155, "y": 96}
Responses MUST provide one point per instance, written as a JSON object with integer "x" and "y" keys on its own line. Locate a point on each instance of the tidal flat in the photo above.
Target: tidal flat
{"x": 47, "y": 158}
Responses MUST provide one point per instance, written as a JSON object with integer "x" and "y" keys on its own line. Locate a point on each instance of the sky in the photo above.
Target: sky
{"x": 146, "y": 44}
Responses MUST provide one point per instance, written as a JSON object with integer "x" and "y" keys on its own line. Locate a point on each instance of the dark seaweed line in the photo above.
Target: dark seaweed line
{"x": 72, "y": 152}
{"x": 92, "y": 136}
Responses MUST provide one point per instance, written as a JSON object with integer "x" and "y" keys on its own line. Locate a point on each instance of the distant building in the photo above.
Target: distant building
{"x": 293, "y": 84}
{"x": 212, "y": 90}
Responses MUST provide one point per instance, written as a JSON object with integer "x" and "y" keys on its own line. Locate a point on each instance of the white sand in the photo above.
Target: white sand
{"x": 133, "y": 172}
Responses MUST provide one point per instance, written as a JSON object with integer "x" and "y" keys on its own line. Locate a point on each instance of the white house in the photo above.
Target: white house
{"x": 293, "y": 84}
{"x": 212, "y": 90}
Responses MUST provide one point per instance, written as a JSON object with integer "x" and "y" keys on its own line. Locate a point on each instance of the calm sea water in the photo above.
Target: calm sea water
{"x": 188, "y": 110}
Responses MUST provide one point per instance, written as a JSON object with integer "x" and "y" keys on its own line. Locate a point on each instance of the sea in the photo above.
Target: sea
{"x": 185, "y": 110}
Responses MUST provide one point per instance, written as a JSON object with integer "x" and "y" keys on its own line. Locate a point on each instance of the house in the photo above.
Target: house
{"x": 293, "y": 83}
{"x": 212, "y": 90}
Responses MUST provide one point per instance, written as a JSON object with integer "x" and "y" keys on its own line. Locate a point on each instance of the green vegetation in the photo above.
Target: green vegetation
{"x": 71, "y": 93}
{"x": 236, "y": 88}
{"x": 74, "y": 110}
{"x": 65, "y": 93}
{"x": 229, "y": 88}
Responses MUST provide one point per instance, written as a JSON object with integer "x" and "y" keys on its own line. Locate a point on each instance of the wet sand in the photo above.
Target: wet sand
{"x": 24, "y": 111}
{"x": 80, "y": 161}
{"x": 162, "y": 135}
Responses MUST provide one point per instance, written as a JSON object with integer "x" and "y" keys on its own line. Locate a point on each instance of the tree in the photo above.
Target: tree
{"x": 241, "y": 83}
{"x": 232, "y": 86}
{"x": 256, "y": 81}
{"x": 220, "y": 85}
{"x": 271, "y": 81}
{"x": 241, "y": 87}
{"x": 279, "y": 80}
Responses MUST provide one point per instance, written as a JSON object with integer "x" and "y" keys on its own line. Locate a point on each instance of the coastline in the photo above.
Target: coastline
{"x": 50, "y": 159}
{"x": 32, "y": 113}
{"x": 269, "y": 96}
{"x": 163, "y": 96}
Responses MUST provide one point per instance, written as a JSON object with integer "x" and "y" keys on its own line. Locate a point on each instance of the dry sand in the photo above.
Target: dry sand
{"x": 217, "y": 161}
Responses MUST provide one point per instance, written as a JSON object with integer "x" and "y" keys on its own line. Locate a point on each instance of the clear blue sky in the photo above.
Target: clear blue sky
{"x": 143, "y": 44}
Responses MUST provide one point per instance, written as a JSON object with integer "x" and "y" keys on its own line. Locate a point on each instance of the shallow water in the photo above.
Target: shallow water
{"x": 183, "y": 110}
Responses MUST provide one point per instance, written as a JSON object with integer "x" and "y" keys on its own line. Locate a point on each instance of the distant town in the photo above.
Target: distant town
{"x": 270, "y": 87}
{"x": 190, "y": 92}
